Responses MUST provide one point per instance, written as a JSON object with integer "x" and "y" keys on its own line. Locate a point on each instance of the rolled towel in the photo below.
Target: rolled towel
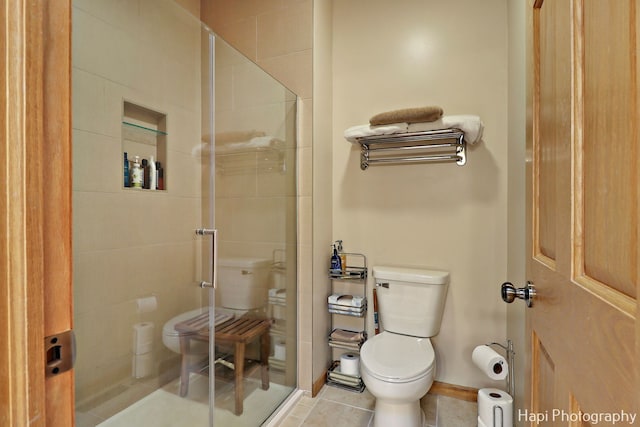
{"x": 470, "y": 125}
{"x": 407, "y": 115}
{"x": 353, "y": 133}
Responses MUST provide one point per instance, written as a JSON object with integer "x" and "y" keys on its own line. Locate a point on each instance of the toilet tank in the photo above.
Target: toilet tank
{"x": 243, "y": 283}
{"x": 411, "y": 301}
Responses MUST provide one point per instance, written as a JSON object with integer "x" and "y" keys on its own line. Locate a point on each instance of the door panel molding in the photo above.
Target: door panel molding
{"x": 605, "y": 290}
{"x": 543, "y": 372}
{"x": 608, "y": 213}
{"x": 624, "y": 303}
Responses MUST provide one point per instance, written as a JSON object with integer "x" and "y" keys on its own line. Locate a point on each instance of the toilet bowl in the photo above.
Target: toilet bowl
{"x": 242, "y": 288}
{"x": 171, "y": 337}
{"x": 398, "y": 365}
{"x": 398, "y": 370}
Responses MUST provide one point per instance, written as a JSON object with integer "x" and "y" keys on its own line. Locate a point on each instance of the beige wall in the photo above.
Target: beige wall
{"x": 516, "y": 194}
{"x": 322, "y": 181}
{"x": 441, "y": 216}
{"x": 255, "y": 191}
{"x": 131, "y": 243}
{"x": 275, "y": 35}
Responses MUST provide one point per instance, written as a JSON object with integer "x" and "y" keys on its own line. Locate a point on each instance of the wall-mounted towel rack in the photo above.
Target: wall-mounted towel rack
{"x": 444, "y": 145}
{"x": 256, "y": 160}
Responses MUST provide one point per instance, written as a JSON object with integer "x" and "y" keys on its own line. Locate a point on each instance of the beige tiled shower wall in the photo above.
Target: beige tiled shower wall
{"x": 255, "y": 209}
{"x": 278, "y": 36}
{"x": 131, "y": 243}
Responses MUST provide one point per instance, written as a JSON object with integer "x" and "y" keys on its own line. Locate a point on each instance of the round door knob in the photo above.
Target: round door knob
{"x": 510, "y": 293}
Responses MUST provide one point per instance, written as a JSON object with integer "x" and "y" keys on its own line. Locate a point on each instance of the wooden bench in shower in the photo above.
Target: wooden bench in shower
{"x": 239, "y": 332}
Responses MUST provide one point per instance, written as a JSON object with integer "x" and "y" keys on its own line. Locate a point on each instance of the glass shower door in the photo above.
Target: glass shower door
{"x": 174, "y": 131}
{"x": 255, "y": 212}
{"x": 142, "y": 184}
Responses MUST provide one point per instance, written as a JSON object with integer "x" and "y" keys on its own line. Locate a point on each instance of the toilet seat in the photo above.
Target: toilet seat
{"x": 395, "y": 358}
{"x": 168, "y": 329}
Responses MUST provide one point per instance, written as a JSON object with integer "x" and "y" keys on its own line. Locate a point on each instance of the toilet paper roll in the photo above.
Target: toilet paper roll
{"x": 350, "y": 364}
{"x": 142, "y": 365}
{"x": 495, "y": 408}
{"x": 490, "y": 362}
{"x": 280, "y": 351}
{"x": 147, "y": 304}
{"x": 143, "y": 337}
{"x": 279, "y": 280}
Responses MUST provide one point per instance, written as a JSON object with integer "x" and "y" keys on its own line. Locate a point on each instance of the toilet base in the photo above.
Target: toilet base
{"x": 394, "y": 414}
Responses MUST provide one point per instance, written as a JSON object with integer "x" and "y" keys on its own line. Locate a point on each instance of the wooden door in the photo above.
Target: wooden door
{"x": 35, "y": 209}
{"x": 583, "y": 222}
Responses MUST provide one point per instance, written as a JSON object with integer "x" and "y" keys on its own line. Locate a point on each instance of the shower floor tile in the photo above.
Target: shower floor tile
{"x": 121, "y": 397}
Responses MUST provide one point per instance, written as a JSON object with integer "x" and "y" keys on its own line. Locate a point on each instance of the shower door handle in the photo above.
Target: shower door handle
{"x": 214, "y": 254}
{"x": 206, "y": 231}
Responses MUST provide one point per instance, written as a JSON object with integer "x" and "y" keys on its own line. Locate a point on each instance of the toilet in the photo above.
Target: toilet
{"x": 171, "y": 338}
{"x": 398, "y": 365}
{"x": 243, "y": 285}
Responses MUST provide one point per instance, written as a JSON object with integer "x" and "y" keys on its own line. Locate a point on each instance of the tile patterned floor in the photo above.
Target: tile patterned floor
{"x": 334, "y": 407}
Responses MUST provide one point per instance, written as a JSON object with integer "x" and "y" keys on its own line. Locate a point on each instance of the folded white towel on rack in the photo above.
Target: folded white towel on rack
{"x": 470, "y": 125}
{"x": 360, "y": 131}
{"x": 254, "y": 143}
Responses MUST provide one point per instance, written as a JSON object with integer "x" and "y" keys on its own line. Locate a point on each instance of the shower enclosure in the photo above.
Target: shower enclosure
{"x": 150, "y": 81}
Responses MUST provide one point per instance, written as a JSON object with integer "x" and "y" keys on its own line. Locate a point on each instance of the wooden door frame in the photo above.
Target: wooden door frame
{"x": 35, "y": 209}
{"x": 526, "y": 403}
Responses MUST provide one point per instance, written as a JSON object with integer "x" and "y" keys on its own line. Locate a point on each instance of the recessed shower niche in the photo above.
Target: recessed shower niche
{"x": 144, "y": 139}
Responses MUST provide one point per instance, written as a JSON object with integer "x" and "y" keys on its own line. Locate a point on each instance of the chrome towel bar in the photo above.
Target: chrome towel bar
{"x": 417, "y": 147}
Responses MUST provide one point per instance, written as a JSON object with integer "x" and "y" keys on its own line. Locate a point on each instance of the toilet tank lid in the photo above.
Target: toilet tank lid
{"x": 411, "y": 275}
{"x": 243, "y": 262}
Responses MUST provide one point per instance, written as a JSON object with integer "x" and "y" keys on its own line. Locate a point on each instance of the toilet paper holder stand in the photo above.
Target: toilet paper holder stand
{"x": 510, "y": 381}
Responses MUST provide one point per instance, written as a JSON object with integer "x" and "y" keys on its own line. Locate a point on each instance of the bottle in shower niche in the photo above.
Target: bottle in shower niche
{"x": 145, "y": 173}
{"x": 136, "y": 173}
{"x": 127, "y": 182}
{"x": 160, "y": 171}
{"x": 153, "y": 177}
